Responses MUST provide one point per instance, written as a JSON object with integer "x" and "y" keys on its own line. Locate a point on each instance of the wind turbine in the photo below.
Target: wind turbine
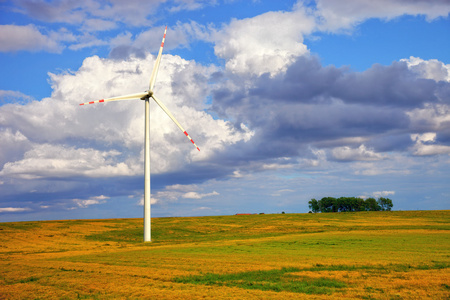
{"x": 146, "y": 97}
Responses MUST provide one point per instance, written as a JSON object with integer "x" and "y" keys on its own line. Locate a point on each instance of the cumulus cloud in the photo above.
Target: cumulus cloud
{"x": 56, "y": 139}
{"x": 121, "y": 124}
{"x": 348, "y": 116}
{"x": 274, "y": 106}
{"x": 257, "y": 127}
{"x": 429, "y": 69}
{"x": 267, "y": 43}
{"x": 430, "y": 117}
{"x": 270, "y": 42}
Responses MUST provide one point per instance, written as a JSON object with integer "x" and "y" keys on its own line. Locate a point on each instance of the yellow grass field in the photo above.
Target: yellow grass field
{"x": 363, "y": 255}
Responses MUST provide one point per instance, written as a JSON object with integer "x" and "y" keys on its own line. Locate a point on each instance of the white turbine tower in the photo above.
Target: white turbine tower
{"x": 146, "y": 96}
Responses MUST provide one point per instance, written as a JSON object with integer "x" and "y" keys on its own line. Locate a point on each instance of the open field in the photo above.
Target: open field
{"x": 364, "y": 255}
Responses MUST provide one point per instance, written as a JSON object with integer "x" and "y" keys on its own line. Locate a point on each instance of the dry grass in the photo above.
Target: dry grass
{"x": 365, "y": 255}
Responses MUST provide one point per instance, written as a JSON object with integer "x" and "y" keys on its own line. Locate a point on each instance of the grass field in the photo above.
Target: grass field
{"x": 364, "y": 255}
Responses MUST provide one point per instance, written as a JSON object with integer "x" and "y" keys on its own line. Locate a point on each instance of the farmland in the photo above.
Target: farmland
{"x": 363, "y": 255}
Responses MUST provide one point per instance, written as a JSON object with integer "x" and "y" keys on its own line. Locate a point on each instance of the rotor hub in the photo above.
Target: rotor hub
{"x": 149, "y": 94}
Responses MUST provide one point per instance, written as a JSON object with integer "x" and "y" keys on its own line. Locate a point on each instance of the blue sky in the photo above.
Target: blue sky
{"x": 288, "y": 101}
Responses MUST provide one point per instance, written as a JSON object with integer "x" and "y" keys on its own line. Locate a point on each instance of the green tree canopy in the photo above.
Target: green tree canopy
{"x": 342, "y": 204}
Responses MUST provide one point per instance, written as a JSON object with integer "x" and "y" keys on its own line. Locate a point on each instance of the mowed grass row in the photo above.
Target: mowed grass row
{"x": 364, "y": 255}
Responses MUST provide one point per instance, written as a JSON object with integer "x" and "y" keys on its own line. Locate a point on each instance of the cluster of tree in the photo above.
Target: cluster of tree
{"x": 330, "y": 204}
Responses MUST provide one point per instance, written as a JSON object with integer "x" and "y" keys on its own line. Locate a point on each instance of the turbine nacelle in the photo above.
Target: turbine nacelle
{"x": 148, "y": 96}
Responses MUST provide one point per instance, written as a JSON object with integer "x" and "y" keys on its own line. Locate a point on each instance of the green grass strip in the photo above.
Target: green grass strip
{"x": 272, "y": 280}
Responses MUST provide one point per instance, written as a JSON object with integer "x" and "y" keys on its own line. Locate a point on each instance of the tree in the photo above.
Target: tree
{"x": 314, "y": 205}
{"x": 385, "y": 204}
{"x": 360, "y": 205}
{"x": 327, "y": 204}
{"x": 372, "y": 204}
{"x": 345, "y": 204}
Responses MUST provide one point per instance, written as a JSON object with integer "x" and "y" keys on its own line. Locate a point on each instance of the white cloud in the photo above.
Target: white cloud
{"x": 153, "y": 200}
{"x": 174, "y": 193}
{"x": 424, "y": 137}
{"x": 203, "y": 208}
{"x": 133, "y": 11}
{"x": 47, "y": 160}
{"x": 270, "y": 42}
{"x": 421, "y": 149}
{"x": 92, "y": 201}
{"x": 195, "y": 195}
{"x": 61, "y": 11}
{"x": 103, "y": 14}
{"x": 344, "y": 15}
{"x": 13, "y": 145}
{"x": 16, "y": 38}
{"x": 237, "y": 174}
{"x": 431, "y": 117}
{"x": 276, "y": 166}
{"x": 89, "y": 18}
{"x": 429, "y": 69}
{"x": 170, "y": 193}
{"x": 56, "y": 138}
{"x": 13, "y": 209}
{"x": 265, "y": 43}
{"x": 113, "y": 132}
{"x": 355, "y": 154}
{"x": 425, "y": 144}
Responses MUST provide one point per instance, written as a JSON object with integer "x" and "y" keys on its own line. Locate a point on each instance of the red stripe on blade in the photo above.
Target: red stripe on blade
{"x": 162, "y": 44}
{"x": 92, "y": 102}
{"x": 82, "y": 104}
{"x": 185, "y": 133}
{"x": 198, "y": 148}
{"x": 103, "y": 100}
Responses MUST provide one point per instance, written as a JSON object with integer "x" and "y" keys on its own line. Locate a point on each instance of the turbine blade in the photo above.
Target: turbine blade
{"x": 166, "y": 110}
{"x": 156, "y": 66}
{"x": 124, "y": 97}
